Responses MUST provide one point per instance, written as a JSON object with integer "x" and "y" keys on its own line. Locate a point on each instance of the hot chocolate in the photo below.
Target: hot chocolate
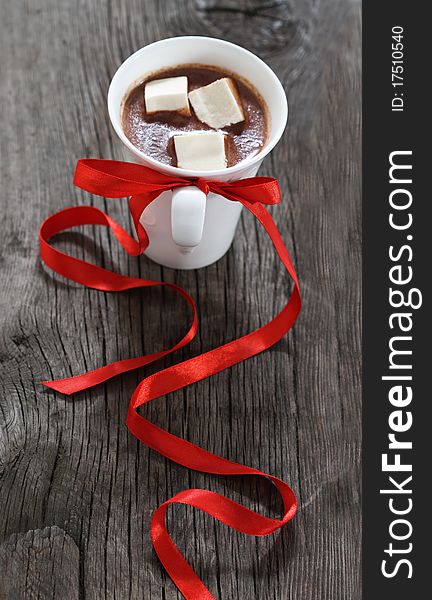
{"x": 153, "y": 132}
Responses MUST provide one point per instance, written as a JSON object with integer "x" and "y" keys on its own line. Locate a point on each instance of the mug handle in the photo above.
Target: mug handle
{"x": 188, "y": 208}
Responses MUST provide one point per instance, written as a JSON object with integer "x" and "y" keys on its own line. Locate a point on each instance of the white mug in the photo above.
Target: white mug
{"x": 187, "y": 230}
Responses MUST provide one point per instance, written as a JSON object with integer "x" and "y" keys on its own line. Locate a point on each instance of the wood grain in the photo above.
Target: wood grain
{"x": 76, "y": 489}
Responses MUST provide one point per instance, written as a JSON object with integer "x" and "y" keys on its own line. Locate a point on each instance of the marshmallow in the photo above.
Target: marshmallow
{"x": 167, "y": 94}
{"x": 200, "y": 151}
{"x": 217, "y": 104}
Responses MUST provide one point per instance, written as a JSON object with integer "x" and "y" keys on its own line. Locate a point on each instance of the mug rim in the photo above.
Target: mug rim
{"x": 170, "y": 169}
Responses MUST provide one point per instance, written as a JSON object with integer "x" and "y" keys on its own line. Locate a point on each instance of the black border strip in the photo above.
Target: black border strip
{"x": 385, "y": 406}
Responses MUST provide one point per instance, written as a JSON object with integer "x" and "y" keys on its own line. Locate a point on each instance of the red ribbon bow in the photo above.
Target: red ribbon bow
{"x": 114, "y": 179}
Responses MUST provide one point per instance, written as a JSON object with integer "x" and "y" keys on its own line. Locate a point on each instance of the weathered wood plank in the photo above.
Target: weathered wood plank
{"x": 39, "y": 564}
{"x": 294, "y": 411}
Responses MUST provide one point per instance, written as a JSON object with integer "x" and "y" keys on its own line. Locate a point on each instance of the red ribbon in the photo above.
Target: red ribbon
{"x": 115, "y": 179}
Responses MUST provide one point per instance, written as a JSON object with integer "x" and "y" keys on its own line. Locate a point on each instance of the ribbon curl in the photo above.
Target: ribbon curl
{"x": 115, "y": 179}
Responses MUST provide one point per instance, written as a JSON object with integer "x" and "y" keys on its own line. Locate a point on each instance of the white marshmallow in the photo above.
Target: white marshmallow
{"x": 200, "y": 151}
{"x": 217, "y": 104}
{"x": 167, "y": 94}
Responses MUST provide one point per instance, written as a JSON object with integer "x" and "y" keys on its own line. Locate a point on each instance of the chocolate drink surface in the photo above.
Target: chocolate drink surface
{"x": 153, "y": 133}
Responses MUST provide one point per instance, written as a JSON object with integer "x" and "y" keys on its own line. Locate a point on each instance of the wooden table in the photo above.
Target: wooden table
{"x": 76, "y": 489}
